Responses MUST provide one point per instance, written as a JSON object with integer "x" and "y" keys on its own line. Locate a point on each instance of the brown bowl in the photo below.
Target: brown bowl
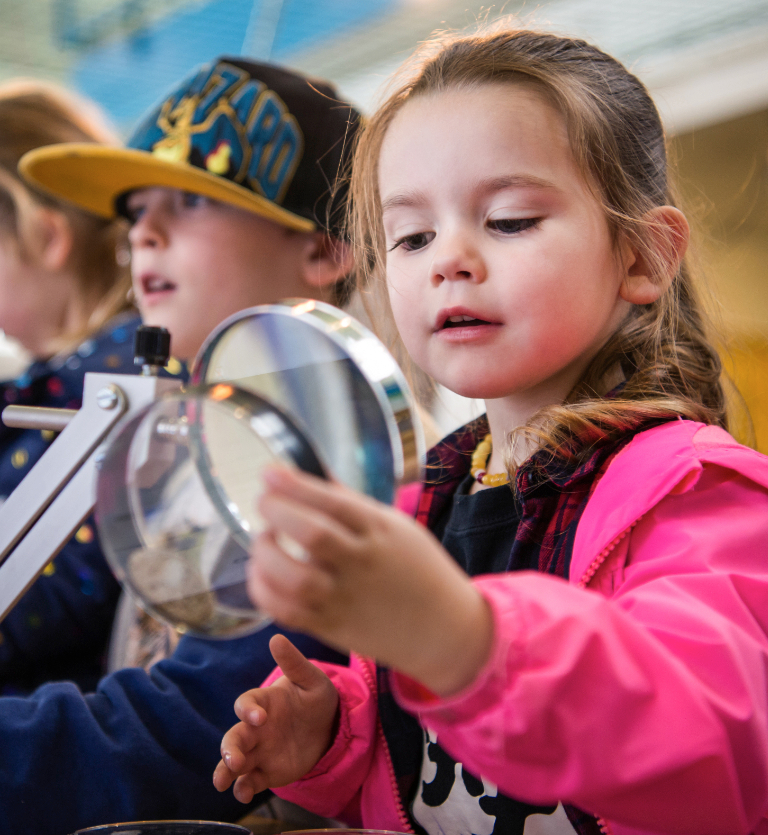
{"x": 166, "y": 828}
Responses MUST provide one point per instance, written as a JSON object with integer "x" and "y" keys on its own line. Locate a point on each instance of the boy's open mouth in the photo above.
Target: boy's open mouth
{"x": 156, "y": 284}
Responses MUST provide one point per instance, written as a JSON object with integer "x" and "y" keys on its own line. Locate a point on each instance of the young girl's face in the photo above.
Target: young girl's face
{"x": 35, "y": 297}
{"x": 502, "y": 275}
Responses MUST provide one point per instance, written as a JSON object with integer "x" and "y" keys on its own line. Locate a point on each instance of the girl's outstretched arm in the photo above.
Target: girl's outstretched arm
{"x": 373, "y": 580}
{"x": 285, "y": 729}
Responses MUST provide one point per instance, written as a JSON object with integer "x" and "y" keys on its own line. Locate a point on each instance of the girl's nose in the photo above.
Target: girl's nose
{"x": 457, "y": 259}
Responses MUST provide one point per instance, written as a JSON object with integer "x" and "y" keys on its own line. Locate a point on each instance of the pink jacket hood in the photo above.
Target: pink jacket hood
{"x": 665, "y": 460}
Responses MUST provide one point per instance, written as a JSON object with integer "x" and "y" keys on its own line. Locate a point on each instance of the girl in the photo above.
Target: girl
{"x": 605, "y": 668}
{"x": 63, "y": 297}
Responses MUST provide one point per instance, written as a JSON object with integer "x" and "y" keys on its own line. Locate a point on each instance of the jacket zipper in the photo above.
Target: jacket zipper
{"x": 586, "y": 577}
{"x": 591, "y": 570}
{"x": 589, "y": 573}
{"x": 404, "y": 820}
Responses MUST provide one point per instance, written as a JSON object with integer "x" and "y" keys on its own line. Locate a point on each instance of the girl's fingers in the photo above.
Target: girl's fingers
{"x": 314, "y": 530}
{"x": 222, "y": 777}
{"x": 283, "y": 586}
{"x": 245, "y": 785}
{"x": 248, "y": 708}
{"x": 350, "y": 509}
{"x": 248, "y": 785}
{"x": 236, "y": 744}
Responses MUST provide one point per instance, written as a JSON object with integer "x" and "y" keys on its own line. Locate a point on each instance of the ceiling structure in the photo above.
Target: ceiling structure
{"x": 705, "y": 61}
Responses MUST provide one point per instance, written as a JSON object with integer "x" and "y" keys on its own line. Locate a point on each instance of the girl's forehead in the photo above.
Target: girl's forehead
{"x": 451, "y": 103}
{"x": 474, "y": 128}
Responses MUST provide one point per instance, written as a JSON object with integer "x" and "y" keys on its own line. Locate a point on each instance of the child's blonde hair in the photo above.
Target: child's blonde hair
{"x": 36, "y": 113}
{"x": 618, "y": 142}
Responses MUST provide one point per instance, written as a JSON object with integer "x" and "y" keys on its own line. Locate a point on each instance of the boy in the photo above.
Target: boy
{"x": 228, "y": 186}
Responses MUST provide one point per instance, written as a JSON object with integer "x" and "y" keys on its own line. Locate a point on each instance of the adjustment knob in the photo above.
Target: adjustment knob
{"x": 151, "y": 346}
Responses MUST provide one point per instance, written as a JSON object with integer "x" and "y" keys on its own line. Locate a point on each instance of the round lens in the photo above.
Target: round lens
{"x": 178, "y": 503}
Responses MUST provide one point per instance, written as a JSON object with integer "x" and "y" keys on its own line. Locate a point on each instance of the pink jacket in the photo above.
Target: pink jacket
{"x": 637, "y": 691}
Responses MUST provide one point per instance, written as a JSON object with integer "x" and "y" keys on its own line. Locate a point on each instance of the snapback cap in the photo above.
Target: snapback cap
{"x": 254, "y": 135}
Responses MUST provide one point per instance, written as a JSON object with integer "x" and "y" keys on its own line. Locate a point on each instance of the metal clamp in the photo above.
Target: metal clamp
{"x": 58, "y": 493}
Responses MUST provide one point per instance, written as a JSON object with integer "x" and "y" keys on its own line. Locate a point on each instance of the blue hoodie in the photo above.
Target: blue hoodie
{"x": 142, "y": 747}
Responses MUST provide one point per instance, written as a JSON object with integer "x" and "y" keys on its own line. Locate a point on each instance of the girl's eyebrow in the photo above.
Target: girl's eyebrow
{"x": 506, "y": 181}
{"x": 486, "y": 186}
{"x": 403, "y": 198}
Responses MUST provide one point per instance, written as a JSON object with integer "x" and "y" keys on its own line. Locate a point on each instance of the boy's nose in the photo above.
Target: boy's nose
{"x": 148, "y": 230}
{"x": 457, "y": 259}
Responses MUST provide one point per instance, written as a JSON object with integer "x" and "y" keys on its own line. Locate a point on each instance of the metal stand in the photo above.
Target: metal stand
{"x": 58, "y": 493}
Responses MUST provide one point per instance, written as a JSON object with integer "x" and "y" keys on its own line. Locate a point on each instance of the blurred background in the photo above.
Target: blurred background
{"x": 705, "y": 62}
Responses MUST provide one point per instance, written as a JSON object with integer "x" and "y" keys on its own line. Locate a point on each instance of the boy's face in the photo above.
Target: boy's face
{"x": 196, "y": 261}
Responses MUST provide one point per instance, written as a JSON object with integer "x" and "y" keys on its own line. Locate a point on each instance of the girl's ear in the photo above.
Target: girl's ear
{"x": 55, "y": 238}
{"x": 668, "y": 233}
{"x": 328, "y": 260}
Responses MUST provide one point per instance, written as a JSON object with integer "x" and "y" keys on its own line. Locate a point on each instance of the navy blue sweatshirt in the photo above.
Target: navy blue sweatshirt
{"x": 142, "y": 747}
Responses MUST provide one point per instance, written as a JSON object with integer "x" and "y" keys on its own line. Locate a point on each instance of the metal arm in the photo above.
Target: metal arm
{"x": 58, "y": 493}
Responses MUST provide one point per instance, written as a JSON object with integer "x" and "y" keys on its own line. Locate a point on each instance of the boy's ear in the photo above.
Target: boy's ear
{"x": 55, "y": 237}
{"x": 328, "y": 260}
{"x": 668, "y": 233}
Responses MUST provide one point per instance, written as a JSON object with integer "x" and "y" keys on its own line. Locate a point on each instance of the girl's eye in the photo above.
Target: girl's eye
{"x": 410, "y": 243}
{"x": 513, "y": 225}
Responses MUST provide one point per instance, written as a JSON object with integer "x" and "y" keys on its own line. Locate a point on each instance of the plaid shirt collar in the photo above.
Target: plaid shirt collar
{"x": 448, "y": 464}
{"x": 552, "y": 494}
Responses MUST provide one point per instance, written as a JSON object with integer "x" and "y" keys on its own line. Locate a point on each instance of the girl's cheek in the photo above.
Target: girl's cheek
{"x": 399, "y": 301}
{"x": 402, "y": 284}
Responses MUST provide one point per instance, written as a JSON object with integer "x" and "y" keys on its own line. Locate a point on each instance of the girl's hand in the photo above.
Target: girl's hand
{"x": 373, "y": 580}
{"x": 285, "y": 729}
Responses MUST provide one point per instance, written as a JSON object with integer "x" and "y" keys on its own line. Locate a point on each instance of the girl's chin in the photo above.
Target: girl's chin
{"x": 473, "y": 389}
{"x": 469, "y": 393}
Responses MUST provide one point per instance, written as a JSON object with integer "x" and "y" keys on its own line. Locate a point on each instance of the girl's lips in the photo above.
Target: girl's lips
{"x": 460, "y": 318}
{"x": 471, "y": 332}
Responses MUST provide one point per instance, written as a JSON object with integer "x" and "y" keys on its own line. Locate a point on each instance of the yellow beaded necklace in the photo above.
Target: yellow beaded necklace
{"x": 480, "y": 461}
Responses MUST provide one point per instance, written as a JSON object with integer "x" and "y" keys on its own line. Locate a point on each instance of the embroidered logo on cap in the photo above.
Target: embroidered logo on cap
{"x": 227, "y": 123}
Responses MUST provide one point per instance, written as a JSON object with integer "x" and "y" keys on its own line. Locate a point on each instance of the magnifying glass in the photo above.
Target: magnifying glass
{"x": 300, "y": 383}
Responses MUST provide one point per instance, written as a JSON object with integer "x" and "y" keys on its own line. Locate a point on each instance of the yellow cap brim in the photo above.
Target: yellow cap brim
{"x": 92, "y": 177}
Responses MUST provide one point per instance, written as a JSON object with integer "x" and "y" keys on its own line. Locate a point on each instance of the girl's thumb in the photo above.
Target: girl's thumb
{"x": 293, "y": 663}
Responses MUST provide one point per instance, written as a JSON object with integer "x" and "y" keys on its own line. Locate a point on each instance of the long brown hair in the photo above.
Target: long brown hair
{"x": 33, "y": 114}
{"x": 615, "y": 133}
